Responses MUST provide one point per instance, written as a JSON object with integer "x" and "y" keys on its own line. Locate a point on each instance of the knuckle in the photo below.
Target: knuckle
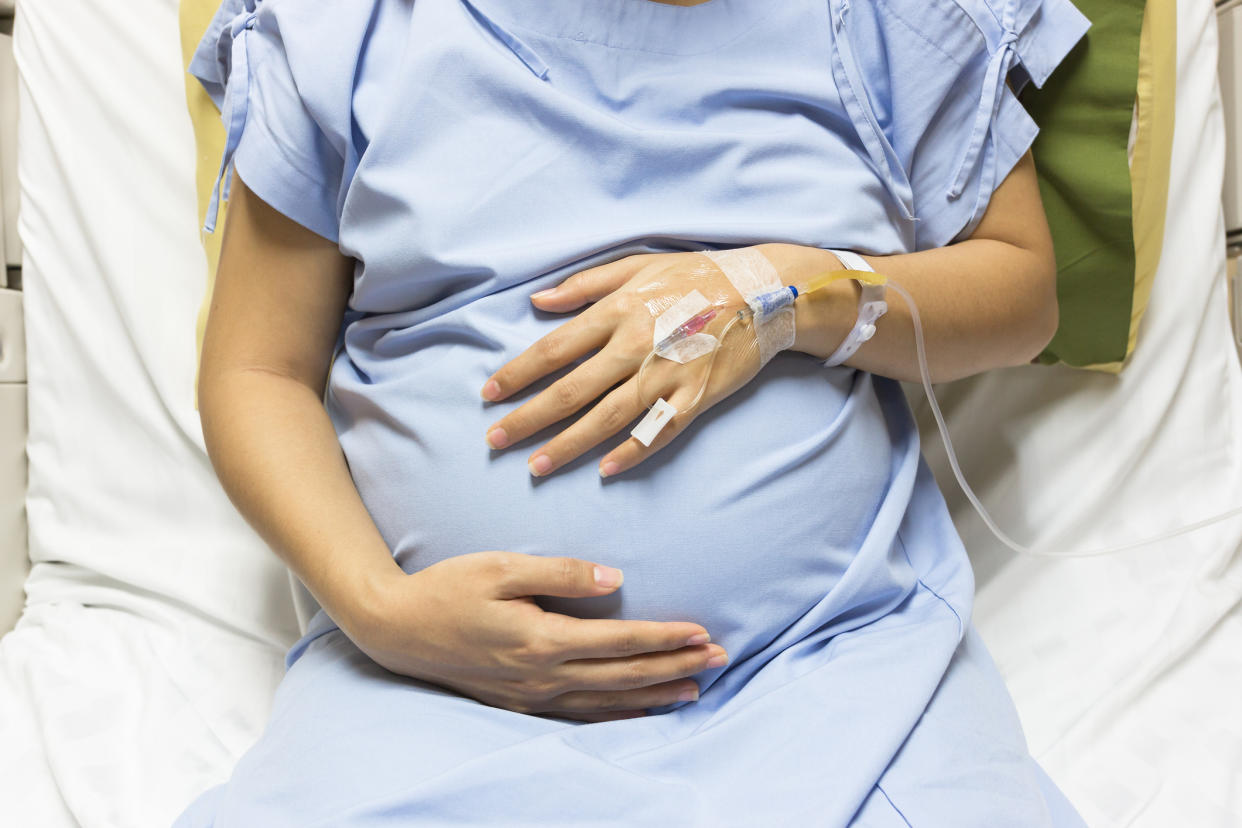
{"x": 503, "y": 568}
{"x": 538, "y": 689}
{"x": 633, "y": 675}
{"x": 627, "y": 348}
{"x": 627, "y": 644}
{"x": 587, "y": 282}
{"x": 537, "y": 651}
{"x": 567, "y": 394}
{"x": 611, "y": 416}
{"x": 571, "y": 284}
{"x": 638, "y": 349}
{"x": 550, "y": 348}
{"x": 631, "y": 304}
{"x": 523, "y": 655}
{"x": 568, "y": 572}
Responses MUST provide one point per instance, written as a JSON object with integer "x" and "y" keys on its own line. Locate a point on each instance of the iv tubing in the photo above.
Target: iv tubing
{"x": 925, "y": 374}
{"x": 942, "y": 427}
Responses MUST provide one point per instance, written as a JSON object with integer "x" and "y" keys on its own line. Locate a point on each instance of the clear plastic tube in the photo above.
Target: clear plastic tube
{"x": 1004, "y": 538}
{"x": 707, "y": 372}
{"x": 925, "y": 375}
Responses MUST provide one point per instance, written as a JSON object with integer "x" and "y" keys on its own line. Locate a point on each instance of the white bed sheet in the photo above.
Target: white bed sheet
{"x": 140, "y": 671}
{"x": 1127, "y": 670}
{"x": 156, "y": 620}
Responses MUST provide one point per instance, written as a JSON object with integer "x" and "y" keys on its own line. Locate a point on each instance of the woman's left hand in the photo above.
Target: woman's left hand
{"x": 627, "y": 296}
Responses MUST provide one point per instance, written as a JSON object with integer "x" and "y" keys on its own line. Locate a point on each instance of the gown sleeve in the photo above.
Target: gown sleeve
{"x": 281, "y": 75}
{"x": 931, "y": 87}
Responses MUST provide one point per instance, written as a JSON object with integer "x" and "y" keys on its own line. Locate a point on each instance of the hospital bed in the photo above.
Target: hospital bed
{"x": 154, "y": 621}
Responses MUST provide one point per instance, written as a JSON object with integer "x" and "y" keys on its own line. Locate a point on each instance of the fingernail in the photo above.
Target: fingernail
{"x": 689, "y": 694}
{"x": 609, "y": 468}
{"x": 701, "y": 638}
{"x": 497, "y": 438}
{"x": 718, "y": 660}
{"x": 543, "y": 294}
{"x": 606, "y": 576}
{"x": 491, "y": 391}
{"x": 540, "y": 465}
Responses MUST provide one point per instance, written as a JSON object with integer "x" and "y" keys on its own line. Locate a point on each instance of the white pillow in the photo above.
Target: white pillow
{"x": 123, "y": 506}
{"x": 1071, "y": 460}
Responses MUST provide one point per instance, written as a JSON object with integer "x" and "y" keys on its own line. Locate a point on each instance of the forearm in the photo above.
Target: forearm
{"x": 986, "y": 302}
{"x": 276, "y": 454}
{"x": 983, "y": 304}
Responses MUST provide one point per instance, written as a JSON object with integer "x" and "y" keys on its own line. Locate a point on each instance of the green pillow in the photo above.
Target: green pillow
{"x": 1106, "y": 214}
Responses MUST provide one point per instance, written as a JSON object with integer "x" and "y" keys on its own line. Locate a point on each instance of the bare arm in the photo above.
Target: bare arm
{"x": 986, "y": 302}
{"x": 468, "y": 622}
{"x": 278, "y": 302}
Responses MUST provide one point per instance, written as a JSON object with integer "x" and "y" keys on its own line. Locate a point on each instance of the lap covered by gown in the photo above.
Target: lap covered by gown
{"x": 467, "y": 153}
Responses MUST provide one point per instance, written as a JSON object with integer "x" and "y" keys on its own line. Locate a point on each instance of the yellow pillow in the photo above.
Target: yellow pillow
{"x": 1153, "y": 151}
{"x": 195, "y": 15}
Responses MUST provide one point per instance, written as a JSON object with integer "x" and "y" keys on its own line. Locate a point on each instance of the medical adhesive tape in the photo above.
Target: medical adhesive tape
{"x": 752, "y": 275}
{"x": 691, "y": 347}
{"x": 755, "y": 278}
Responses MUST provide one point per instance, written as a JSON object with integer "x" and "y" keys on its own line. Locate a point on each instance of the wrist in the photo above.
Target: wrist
{"x": 824, "y": 318}
{"x": 360, "y": 604}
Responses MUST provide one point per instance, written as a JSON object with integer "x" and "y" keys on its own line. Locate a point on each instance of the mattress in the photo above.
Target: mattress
{"x": 156, "y": 623}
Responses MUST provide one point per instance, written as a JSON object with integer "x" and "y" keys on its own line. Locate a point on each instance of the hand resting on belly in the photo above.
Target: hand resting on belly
{"x": 467, "y": 623}
{"x": 281, "y": 293}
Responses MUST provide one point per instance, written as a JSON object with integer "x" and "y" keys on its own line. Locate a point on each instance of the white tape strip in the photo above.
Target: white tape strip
{"x": 751, "y": 274}
{"x": 681, "y": 312}
{"x": 650, "y": 426}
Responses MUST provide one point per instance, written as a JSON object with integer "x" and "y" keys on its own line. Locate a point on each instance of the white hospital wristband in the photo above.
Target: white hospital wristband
{"x": 871, "y": 306}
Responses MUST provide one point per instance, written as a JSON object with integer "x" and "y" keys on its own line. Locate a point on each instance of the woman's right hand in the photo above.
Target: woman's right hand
{"x": 470, "y": 623}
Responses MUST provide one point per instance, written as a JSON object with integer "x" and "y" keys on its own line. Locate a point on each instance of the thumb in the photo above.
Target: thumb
{"x": 562, "y": 577}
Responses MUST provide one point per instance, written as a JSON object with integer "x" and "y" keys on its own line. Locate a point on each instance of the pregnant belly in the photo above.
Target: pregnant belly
{"x": 742, "y": 524}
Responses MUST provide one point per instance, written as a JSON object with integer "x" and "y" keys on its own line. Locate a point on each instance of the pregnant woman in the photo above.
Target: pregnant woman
{"x": 460, "y": 218}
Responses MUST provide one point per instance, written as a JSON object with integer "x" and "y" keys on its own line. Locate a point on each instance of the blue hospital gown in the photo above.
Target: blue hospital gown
{"x": 468, "y": 153}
